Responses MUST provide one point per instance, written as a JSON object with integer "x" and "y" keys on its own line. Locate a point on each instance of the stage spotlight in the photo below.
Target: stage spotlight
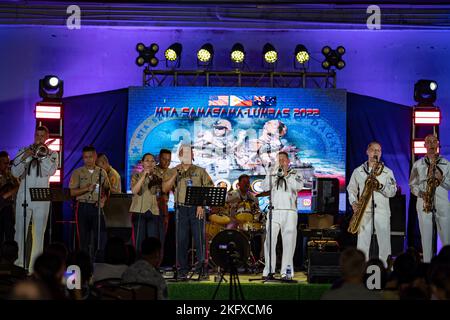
{"x": 270, "y": 54}
{"x": 333, "y": 58}
{"x": 205, "y": 54}
{"x": 237, "y": 53}
{"x": 301, "y": 54}
{"x": 140, "y": 47}
{"x": 147, "y": 54}
{"x": 51, "y": 87}
{"x": 425, "y": 91}
{"x": 173, "y": 52}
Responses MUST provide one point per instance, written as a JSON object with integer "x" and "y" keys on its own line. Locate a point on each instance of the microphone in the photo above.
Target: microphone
{"x": 376, "y": 158}
{"x": 280, "y": 172}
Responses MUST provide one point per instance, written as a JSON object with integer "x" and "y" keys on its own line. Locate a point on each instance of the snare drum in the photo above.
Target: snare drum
{"x": 251, "y": 227}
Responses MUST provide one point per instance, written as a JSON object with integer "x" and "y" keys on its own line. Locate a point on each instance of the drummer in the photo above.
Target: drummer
{"x": 239, "y": 197}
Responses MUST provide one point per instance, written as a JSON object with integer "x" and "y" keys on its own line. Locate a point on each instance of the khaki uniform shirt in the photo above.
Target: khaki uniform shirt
{"x": 82, "y": 177}
{"x": 114, "y": 180}
{"x": 8, "y": 182}
{"x": 196, "y": 176}
{"x": 145, "y": 199}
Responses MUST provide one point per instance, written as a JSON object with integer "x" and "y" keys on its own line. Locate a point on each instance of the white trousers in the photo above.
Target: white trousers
{"x": 426, "y": 226}
{"x": 383, "y": 232}
{"x": 286, "y": 222}
{"x": 39, "y": 212}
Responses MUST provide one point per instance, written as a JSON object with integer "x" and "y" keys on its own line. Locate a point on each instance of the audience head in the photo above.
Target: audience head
{"x": 151, "y": 250}
{"x": 59, "y": 249}
{"x": 353, "y": 265}
{"x": 405, "y": 268}
{"x": 440, "y": 282}
{"x": 30, "y": 289}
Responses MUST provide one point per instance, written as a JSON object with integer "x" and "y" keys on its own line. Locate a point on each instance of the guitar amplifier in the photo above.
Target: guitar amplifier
{"x": 323, "y": 267}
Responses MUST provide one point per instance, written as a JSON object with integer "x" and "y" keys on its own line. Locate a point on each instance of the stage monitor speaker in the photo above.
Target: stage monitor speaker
{"x": 325, "y": 196}
{"x": 323, "y": 267}
{"x": 398, "y": 223}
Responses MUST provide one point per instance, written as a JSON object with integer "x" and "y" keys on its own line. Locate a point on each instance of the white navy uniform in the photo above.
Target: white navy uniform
{"x": 284, "y": 218}
{"x": 418, "y": 185}
{"x": 382, "y": 209}
{"x": 38, "y": 176}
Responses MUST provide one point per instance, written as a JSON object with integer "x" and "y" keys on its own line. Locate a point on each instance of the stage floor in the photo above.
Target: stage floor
{"x": 252, "y": 290}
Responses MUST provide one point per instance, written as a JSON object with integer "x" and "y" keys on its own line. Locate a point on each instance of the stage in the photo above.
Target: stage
{"x": 254, "y": 290}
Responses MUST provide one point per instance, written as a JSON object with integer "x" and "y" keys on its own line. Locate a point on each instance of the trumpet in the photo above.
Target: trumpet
{"x": 40, "y": 150}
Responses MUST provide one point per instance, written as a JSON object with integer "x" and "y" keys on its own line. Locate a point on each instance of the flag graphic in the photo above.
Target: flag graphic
{"x": 220, "y": 101}
{"x": 241, "y": 101}
{"x": 265, "y": 101}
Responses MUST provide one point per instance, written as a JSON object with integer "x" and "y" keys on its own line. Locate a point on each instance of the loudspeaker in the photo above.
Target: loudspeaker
{"x": 398, "y": 212}
{"x": 397, "y": 205}
{"x": 323, "y": 267}
{"x": 325, "y": 196}
{"x": 116, "y": 209}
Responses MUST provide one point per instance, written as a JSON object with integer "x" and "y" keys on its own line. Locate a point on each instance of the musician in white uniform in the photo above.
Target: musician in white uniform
{"x": 286, "y": 183}
{"x": 387, "y": 188}
{"x": 37, "y": 169}
{"x": 418, "y": 185}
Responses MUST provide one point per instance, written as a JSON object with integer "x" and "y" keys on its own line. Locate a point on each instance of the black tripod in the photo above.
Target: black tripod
{"x": 235, "y": 290}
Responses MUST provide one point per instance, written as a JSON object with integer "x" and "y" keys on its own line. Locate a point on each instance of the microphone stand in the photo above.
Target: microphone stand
{"x": 176, "y": 207}
{"x": 99, "y": 212}
{"x": 24, "y": 205}
{"x": 433, "y": 219}
{"x": 373, "y": 249}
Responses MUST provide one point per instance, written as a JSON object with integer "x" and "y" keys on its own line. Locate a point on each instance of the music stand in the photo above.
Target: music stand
{"x": 51, "y": 195}
{"x": 205, "y": 196}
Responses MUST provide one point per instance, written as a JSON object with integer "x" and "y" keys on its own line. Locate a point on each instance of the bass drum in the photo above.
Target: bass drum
{"x": 230, "y": 247}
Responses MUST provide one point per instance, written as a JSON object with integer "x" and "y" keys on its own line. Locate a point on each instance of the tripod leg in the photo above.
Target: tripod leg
{"x": 218, "y": 286}
{"x": 240, "y": 288}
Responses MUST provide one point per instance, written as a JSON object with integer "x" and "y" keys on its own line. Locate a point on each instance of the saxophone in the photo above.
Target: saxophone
{"x": 371, "y": 184}
{"x": 432, "y": 183}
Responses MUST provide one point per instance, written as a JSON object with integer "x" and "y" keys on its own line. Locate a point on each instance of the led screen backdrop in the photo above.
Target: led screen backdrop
{"x": 238, "y": 131}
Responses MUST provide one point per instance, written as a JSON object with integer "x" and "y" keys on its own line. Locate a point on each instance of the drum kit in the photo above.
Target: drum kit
{"x": 246, "y": 223}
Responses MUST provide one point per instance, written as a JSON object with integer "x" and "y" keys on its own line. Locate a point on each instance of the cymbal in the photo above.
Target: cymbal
{"x": 263, "y": 194}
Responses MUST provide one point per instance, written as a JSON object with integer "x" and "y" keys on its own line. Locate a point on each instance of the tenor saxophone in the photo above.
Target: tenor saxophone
{"x": 371, "y": 184}
{"x": 432, "y": 183}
